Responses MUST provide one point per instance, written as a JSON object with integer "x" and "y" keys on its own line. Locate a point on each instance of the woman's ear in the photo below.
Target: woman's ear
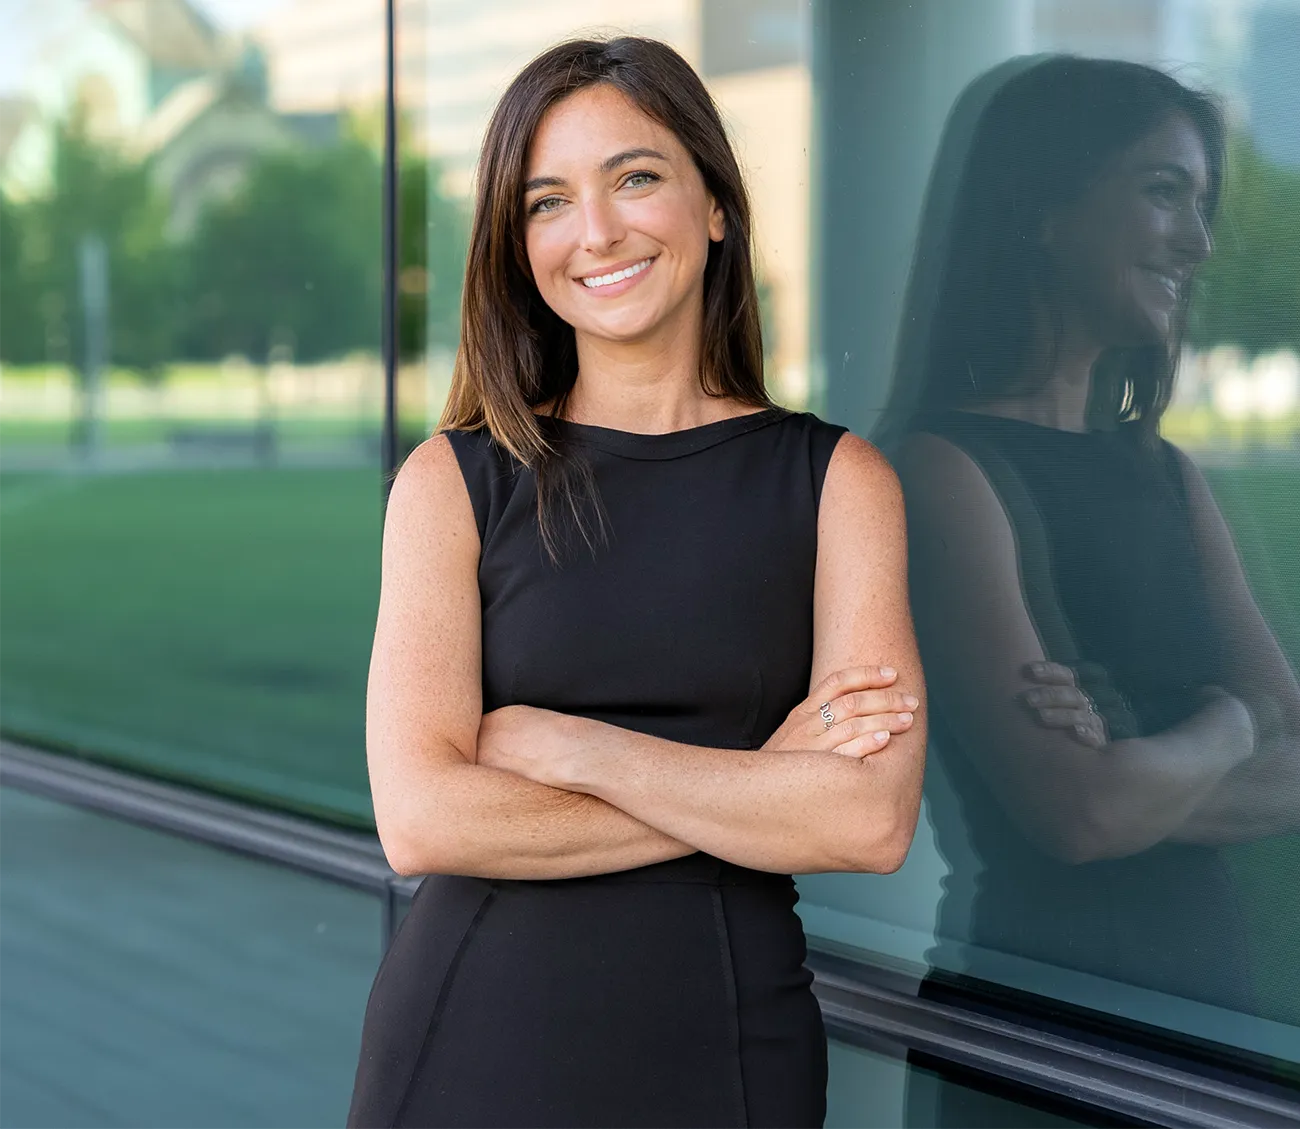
{"x": 717, "y": 222}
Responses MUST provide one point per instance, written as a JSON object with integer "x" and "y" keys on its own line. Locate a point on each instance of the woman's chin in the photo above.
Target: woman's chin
{"x": 630, "y": 330}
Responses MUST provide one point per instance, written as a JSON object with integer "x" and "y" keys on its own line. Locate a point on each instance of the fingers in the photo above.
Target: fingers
{"x": 864, "y": 703}
{"x": 1062, "y": 719}
{"x": 865, "y": 745}
{"x": 1050, "y": 673}
{"x": 1056, "y": 697}
{"x": 841, "y": 682}
{"x": 1067, "y": 707}
{"x": 860, "y": 736}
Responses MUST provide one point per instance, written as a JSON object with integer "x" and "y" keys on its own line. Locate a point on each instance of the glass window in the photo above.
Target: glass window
{"x": 191, "y": 391}
{"x": 1097, "y": 333}
{"x": 155, "y": 982}
{"x": 1061, "y": 293}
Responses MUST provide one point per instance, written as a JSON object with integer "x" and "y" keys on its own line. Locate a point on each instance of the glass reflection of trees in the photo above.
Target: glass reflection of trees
{"x": 1110, "y": 707}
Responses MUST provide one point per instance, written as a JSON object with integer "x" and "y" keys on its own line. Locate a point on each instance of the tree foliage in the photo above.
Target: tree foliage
{"x": 1249, "y": 290}
{"x": 292, "y": 258}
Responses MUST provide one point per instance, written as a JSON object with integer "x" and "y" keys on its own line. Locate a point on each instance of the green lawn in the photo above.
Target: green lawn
{"x": 210, "y": 626}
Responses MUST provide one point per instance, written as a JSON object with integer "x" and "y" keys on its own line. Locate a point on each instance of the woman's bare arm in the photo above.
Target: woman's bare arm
{"x": 788, "y": 811}
{"x": 1261, "y": 796}
{"x": 1078, "y": 803}
{"x": 437, "y": 811}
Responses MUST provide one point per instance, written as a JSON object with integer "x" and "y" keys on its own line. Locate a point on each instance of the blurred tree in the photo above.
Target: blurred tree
{"x": 1249, "y": 291}
{"x": 293, "y": 257}
{"x": 93, "y": 192}
{"x": 21, "y": 339}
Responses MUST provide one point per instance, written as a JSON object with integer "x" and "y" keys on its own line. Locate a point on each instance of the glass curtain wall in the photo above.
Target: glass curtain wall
{"x": 1112, "y": 803}
{"x": 191, "y": 392}
{"x": 1105, "y": 576}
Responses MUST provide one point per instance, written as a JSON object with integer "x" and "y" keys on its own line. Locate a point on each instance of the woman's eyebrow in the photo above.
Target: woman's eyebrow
{"x": 543, "y": 182}
{"x": 611, "y": 163}
{"x": 607, "y": 165}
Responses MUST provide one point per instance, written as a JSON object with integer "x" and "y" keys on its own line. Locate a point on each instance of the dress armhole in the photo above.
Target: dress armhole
{"x": 488, "y": 476}
{"x": 823, "y": 439}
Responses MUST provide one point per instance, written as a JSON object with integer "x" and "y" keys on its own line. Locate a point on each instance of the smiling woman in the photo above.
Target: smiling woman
{"x": 608, "y": 587}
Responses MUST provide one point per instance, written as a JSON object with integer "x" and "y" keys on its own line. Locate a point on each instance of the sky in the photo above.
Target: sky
{"x": 25, "y": 23}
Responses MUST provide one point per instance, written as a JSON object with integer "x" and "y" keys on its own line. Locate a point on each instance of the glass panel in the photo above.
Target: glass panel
{"x": 1093, "y": 405}
{"x": 1140, "y": 866}
{"x": 870, "y": 1090}
{"x": 191, "y": 391}
{"x": 150, "y": 981}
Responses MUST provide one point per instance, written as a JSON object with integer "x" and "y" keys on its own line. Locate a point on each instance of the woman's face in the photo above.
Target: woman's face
{"x": 617, "y": 219}
{"x": 1126, "y": 252}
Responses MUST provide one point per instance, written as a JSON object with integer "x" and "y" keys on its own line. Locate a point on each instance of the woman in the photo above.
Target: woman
{"x": 1110, "y": 705}
{"x": 608, "y": 585}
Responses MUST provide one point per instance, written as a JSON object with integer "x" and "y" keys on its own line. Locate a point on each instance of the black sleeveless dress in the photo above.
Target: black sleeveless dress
{"x": 673, "y": 994}
{"x": 1113, "y": 582}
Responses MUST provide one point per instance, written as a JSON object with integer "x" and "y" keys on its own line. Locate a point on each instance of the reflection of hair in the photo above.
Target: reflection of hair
{"x": 515, "y": 352}
{"x": 1043, "y": 137}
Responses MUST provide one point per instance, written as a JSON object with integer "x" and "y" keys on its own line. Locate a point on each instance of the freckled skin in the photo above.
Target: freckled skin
{"x": 597, "y": 219}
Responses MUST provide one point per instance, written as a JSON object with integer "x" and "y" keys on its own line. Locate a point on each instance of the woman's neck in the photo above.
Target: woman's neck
{"x": 1060, "y": 400}
{"x": 650, "y": 386}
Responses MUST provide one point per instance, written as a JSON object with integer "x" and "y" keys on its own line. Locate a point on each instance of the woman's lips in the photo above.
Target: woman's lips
{"x": 618, "y": 280}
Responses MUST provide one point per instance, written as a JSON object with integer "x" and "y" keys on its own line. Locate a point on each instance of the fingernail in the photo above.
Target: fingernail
{"x": 905, "y": 718}
{"x": 910, "y": 702}
{"x": 883, "y": 735}
{"x": 888, "y": 671}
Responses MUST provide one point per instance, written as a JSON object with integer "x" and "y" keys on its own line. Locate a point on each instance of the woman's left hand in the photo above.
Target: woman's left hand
{"x": 540, "y": 745}
{"x": 1058, "y": 702}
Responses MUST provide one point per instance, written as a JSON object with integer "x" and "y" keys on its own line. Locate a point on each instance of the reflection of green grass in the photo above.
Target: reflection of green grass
{"x": 212, "y": 626}
{"x": 1203, "y": 427}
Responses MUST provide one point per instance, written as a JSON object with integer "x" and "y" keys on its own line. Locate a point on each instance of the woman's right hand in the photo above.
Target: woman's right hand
{"x": 862, "y": 709}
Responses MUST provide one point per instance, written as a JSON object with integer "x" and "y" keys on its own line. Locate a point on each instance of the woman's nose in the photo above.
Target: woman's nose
{"x": 602, "y": 228}
{"x": 1194, "y": 239}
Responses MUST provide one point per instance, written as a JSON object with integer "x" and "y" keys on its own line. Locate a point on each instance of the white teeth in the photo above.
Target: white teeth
{"x": 617, "y": 276}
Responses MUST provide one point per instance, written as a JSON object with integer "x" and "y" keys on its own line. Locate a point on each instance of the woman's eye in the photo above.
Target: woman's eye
{"x": 545, "y": 204}
{"x": 640, "y": 179}
{"x": 1166, "y": 193}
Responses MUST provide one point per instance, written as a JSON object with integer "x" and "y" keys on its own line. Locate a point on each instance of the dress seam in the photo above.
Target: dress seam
{"x": 733, "y": 1006}
{"x": 440, "y": 1004}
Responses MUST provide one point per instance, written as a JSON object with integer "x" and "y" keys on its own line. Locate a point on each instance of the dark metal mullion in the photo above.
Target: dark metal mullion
{"x": 390, "y": 452}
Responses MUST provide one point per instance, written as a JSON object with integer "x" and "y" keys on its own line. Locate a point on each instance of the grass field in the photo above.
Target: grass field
{"x": 211, "y": 626}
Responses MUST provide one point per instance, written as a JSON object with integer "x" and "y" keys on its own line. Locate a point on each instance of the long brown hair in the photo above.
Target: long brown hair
{"x": 1041, "y": 138}
{"x": 515, "y": 353}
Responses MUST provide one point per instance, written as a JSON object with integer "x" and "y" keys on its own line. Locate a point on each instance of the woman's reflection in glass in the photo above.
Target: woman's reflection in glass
{"x": 1109, "y": 705}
